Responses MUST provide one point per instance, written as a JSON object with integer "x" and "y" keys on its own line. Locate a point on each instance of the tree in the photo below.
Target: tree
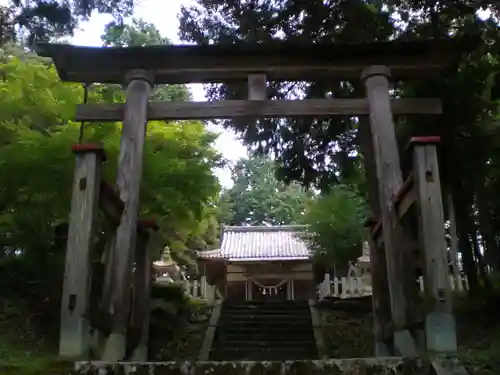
{"x": 32, "y": 20}
{"x": 258, "y": 198}
{"x": 318, "y": 152}
{"x": 178, "y": 186}
{"x": 141, "y": 33}
{"x": 335, "y": 226}
{"x": 138, "y": 33}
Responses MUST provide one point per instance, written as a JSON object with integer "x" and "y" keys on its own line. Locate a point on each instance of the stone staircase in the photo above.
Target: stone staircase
{"x": 272, "y": 338}
{"x": 280, "y": 330}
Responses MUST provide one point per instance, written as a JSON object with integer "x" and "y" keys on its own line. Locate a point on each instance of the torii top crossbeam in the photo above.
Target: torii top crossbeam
{"x": 178, "y": 64}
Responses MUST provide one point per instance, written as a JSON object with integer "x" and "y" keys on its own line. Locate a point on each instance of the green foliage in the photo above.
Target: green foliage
{"x": 323, "y": 151}
{"x": 32, "y": 20}
{"x": 258, "y": 198}
{"x": 141, "y": 33}
{"x": 36, "y": 163}
{"x": 336, "y": 231}
{"x": 169, "y": 292}
{"x": 326, "y": 151}
{"x": 178, "y": 324}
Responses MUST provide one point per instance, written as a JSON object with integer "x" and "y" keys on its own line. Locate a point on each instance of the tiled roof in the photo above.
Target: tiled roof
{"x": 260, "y": 243}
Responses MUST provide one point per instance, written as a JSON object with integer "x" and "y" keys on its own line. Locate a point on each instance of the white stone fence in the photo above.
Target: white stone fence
{"x": 344, "y": 287}
{"x": 458, "y": 283}
{"x": 354, "y": 287}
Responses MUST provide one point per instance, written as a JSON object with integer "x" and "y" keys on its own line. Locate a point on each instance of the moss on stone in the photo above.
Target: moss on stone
{"x": 265, "y": 368}
{"x": 413, "y": 366}
{"x": 368, "y": 366}
{"x": 171, "y": 368}
{"x": 302, "y": 367}
{"x": 347, "y": 329}
{"x": 220, "y": 368}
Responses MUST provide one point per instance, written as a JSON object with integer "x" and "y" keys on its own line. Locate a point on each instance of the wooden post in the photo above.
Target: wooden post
{"x": 203, "y": 286}
{"x": 142, "y": 287}
{"x": 257, "y": 87}
{"x": 439, "y": 321}
{"x": 105, "y": 304}
{"x": 380, "y": 298}
{"x": 454, "y": 237}
{"x": 75, "y": 330}
{"x": 139, "y": 85}
{"x": 326, "y": 286}
{"x": 399, "y": 270}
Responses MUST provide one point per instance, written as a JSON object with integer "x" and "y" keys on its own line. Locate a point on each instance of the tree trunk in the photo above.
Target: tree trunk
{"x": 480, "y": 261}
{"x": 365, "y": 144}
{"x": 453, "y": 233}
{"x": 462, "y": 215}
{"x": 486, "y": 228}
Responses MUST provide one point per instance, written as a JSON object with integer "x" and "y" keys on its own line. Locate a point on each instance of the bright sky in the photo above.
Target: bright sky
{"x": 163, "y": 14}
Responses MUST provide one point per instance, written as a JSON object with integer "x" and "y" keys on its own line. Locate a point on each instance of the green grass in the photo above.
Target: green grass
{"x": 478, "y": 337}
{"x": 22, "y": 352}
{"x": 17, "y": 359}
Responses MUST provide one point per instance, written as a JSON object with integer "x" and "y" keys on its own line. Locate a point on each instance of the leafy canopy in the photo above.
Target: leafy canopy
{"x": 335, "y": 226}
{"x": 37, "y": 164}
{"x": 259, "y": 198}
{"x": 31, "y": 20}
{"x": 141, "y": 34}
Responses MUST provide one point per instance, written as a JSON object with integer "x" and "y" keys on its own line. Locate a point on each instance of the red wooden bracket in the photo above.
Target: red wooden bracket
{"x": 148, "y": 224}
{"x": 81, "y": 148}
{"x": 429, "y": 140}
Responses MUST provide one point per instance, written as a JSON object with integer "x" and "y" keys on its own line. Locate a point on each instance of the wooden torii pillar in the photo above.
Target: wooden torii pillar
{"x": 139, "y": 84}
{"x": 399, "y": 269}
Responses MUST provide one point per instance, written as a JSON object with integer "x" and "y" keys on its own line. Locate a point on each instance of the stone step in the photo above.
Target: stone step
{"x": 275, "y": 315}
{"x": 347, "y": 366}
{"x": 262, "y": 336}
{"x": 268, "y": 303}
{"x": 263, "y": 354}
{"x": 286, "y": 323}
{"x": 264, "y": 344}
{"x": 264, "y": 331}
{"x": 270, "y": 313}
{"x": 266, "y": 307}
{"x": 270, "y": 330}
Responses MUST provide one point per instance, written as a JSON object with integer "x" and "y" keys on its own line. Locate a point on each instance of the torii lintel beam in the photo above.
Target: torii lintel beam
{"x": 257, "y": 108}
{"x": 279, "y": 61}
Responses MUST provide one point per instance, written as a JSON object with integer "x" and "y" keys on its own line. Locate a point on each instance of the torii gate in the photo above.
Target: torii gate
{"x": 139, "y": 68}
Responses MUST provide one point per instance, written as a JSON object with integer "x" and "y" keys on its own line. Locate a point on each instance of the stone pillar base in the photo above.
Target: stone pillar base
{"x": 440, "y": 332}
{"x": 115, "y": 348}
{"x": 404, "y": 344}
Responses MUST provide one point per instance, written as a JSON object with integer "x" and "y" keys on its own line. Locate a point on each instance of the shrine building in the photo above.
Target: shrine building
{"x": 260, "y": 263}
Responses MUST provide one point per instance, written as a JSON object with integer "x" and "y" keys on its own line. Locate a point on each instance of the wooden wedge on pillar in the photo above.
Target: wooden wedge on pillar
{"x": 380, "y": 298}
{"x": 142, "y": 289}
